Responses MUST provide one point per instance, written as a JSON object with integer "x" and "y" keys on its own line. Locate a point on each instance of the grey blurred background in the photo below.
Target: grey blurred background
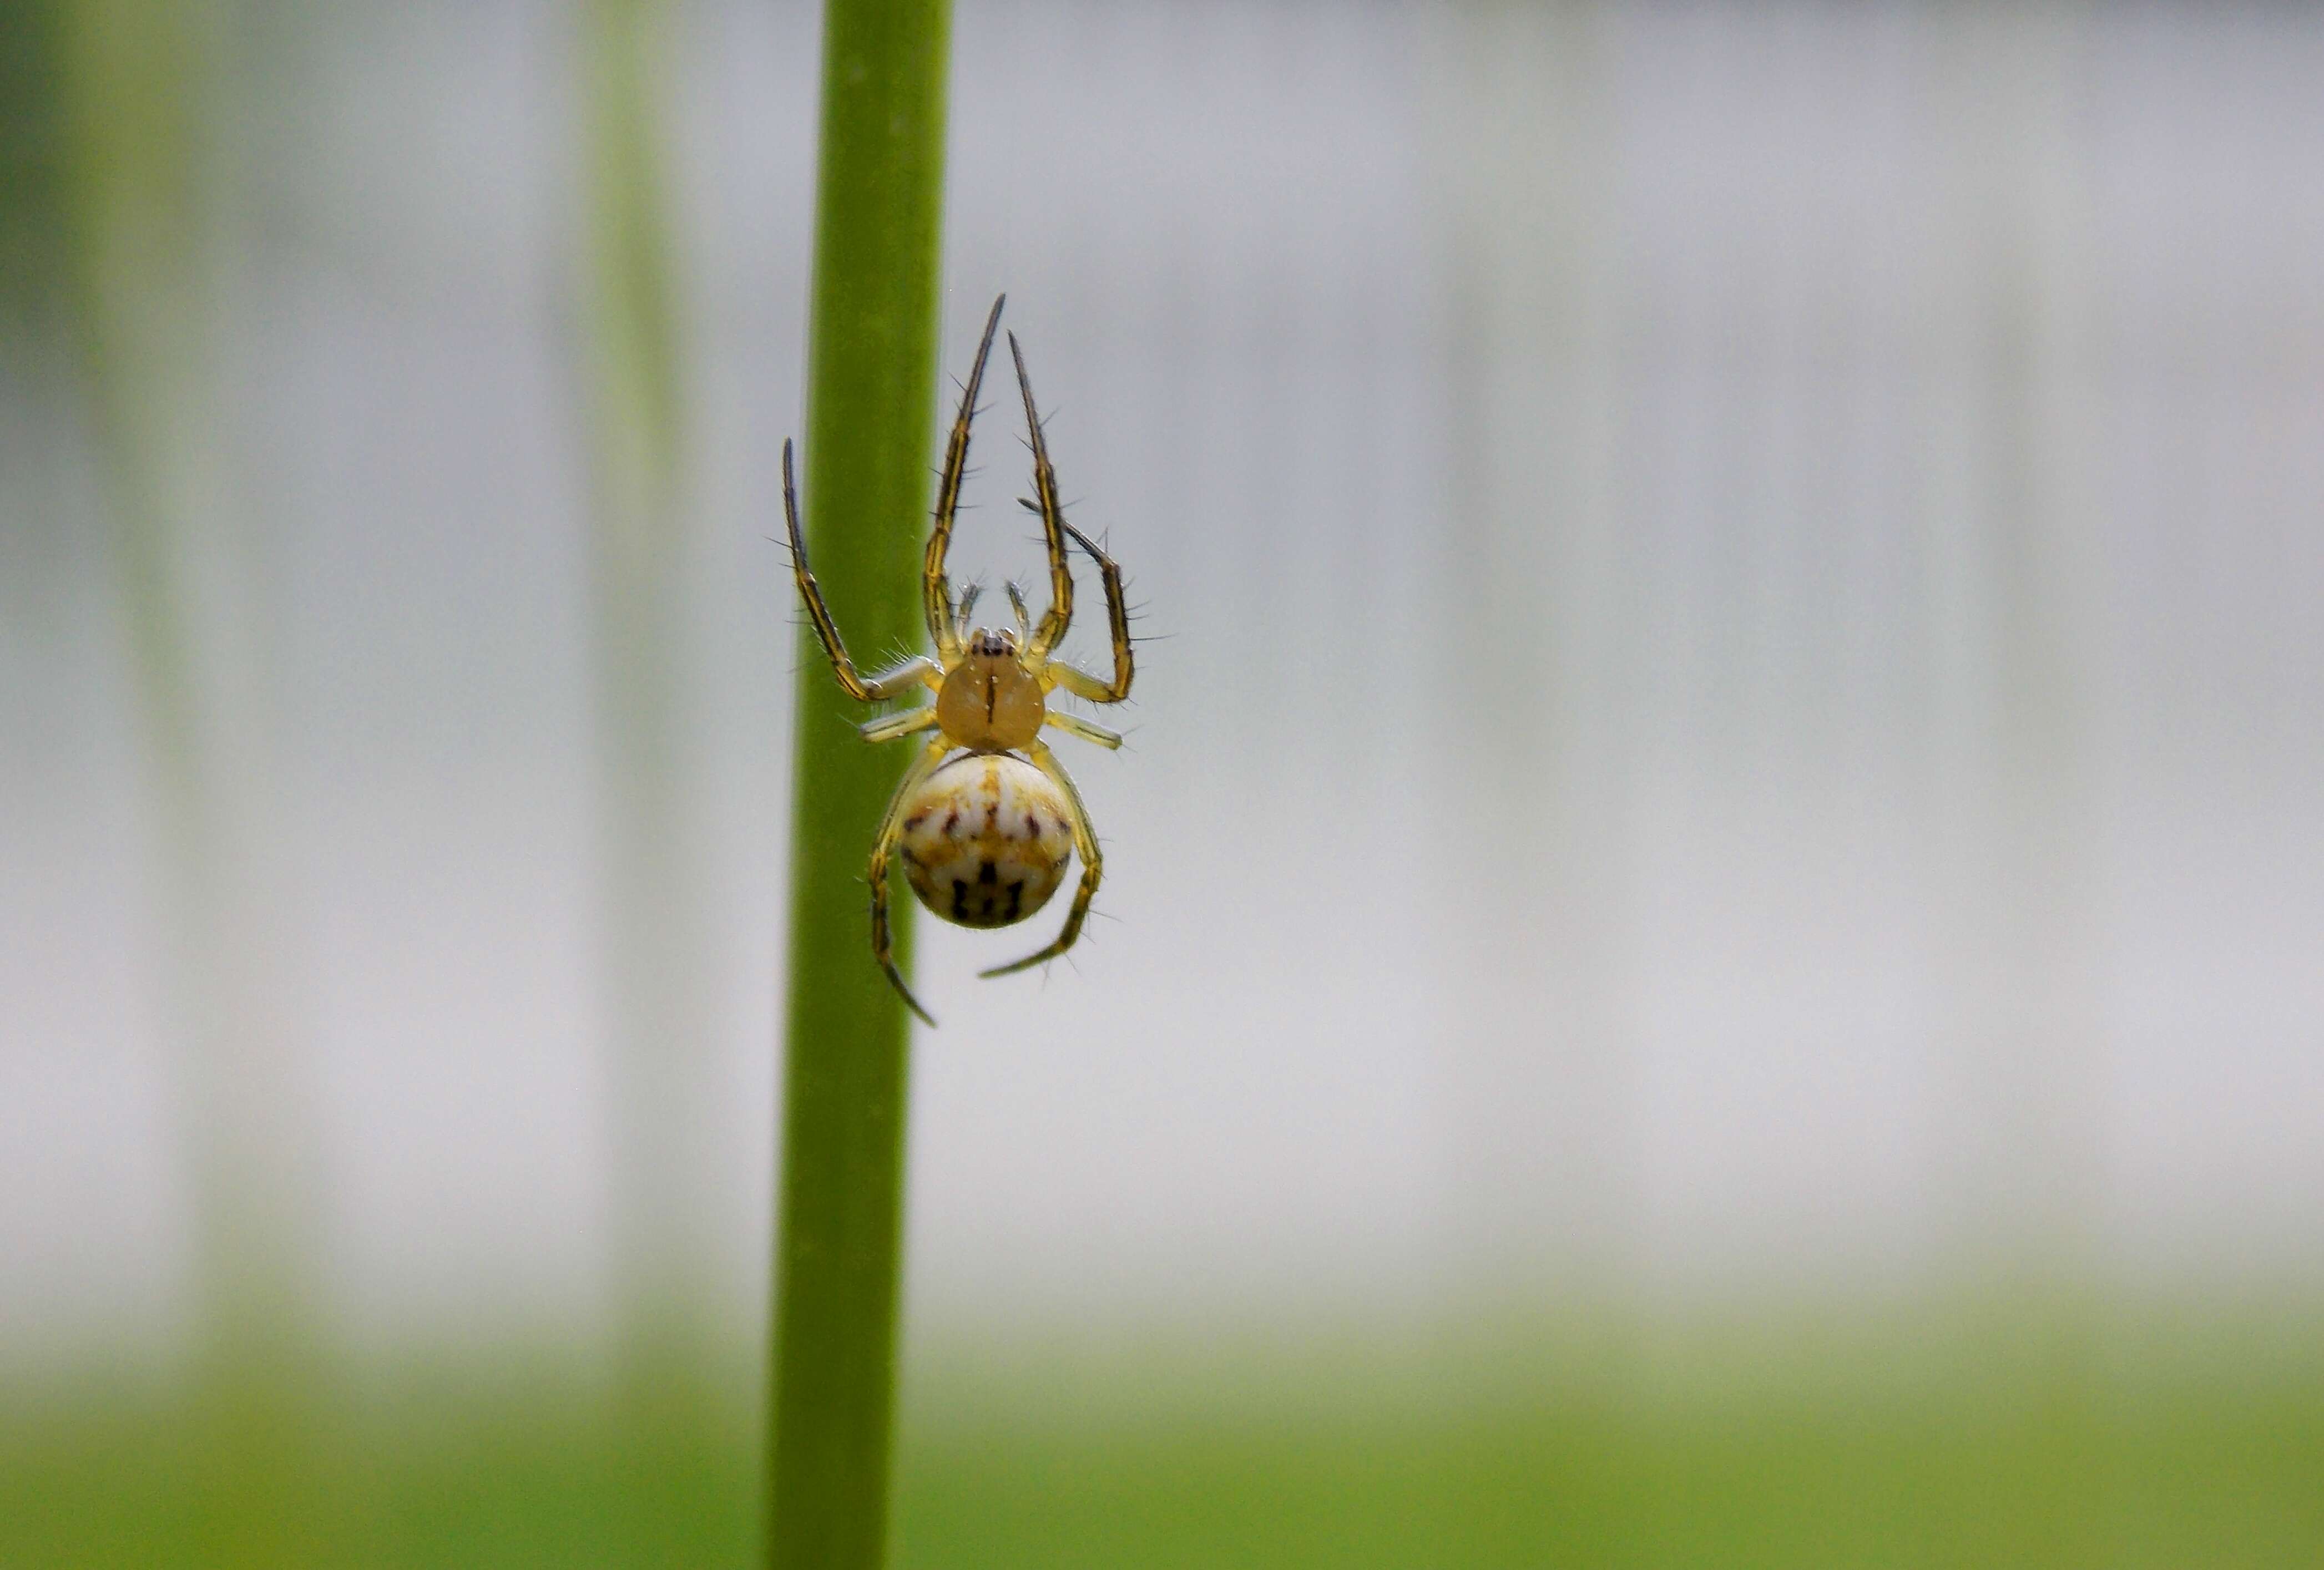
{"x": 1732, "y": 717}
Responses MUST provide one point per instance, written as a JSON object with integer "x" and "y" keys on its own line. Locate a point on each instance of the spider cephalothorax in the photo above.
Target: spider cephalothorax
{"x": 990, "y": 702}
{"x": 984, "y": 837}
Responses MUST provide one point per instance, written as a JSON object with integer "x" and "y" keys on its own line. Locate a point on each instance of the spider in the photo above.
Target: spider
{"x": 985, "y": 817}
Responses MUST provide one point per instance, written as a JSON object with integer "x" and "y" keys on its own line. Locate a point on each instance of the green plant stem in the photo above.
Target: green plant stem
{"x": 651, "y": 935}
{"x": 873, "y": 344}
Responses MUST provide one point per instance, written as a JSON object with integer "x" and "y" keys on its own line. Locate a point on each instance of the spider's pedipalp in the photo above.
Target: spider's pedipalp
{"x": 936, "y": 593}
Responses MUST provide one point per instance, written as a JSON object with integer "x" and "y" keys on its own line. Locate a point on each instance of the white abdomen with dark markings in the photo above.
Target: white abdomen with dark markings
{"x": 986, "y": 839}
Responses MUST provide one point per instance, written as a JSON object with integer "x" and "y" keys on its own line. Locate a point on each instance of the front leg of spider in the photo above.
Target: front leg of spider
{"x": 985, "y": 821}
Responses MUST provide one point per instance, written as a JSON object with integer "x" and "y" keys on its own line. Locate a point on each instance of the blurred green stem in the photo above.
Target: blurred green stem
{"x": 149, "y": 149}
{"x": 650, "y": 927}
{"x": 633, "y": 295}
{"x": 147, "y": 209}
{"x": 870, "y": 406}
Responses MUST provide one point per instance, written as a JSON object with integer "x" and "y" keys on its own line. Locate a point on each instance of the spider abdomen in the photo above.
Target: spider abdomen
{"x": 986, "y": 839}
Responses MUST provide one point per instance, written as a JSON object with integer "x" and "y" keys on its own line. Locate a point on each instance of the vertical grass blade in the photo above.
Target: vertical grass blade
{"x": 873, "y": 342}
{"x": 148, "y": 148}
{"x": 145, "y": 158}
{"x": 651, "y": 935}
{"x": 650, "y": 930}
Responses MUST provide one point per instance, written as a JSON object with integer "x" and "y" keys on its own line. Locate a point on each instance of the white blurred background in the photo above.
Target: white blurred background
{"x": 1735, "y": 705}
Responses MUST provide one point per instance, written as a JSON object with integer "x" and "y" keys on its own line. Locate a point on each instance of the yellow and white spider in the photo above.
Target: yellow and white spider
{"x": 985, "y": 817}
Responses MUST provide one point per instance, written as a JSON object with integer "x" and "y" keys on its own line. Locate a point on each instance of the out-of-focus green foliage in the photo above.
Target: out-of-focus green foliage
{"x": 650, "y": 914}
{"x": 870, "y": 403}
{"x": 32, "y": 162}
{"x": 632, "y": 315}
{"x": 1920, "y": 1447}
{"x": 115, "y": 105}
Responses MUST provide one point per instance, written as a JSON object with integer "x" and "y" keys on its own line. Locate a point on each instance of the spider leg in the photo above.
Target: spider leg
{"x": 1060, "y": 613}
{"x": 1117, "y": 615}
{"x": 887, "y": 683}
{"x": 1080, "y": 683}
{"x": 936, "y": 590}
{"x": 891, "y": 727}
{"x": 1075, "y": 725}
{"x": 1093, "y": 863}
{"x": 891, "y": 828}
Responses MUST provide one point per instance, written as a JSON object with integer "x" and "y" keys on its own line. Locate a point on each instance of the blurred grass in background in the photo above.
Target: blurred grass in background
{"x": 1792, "y": 1443}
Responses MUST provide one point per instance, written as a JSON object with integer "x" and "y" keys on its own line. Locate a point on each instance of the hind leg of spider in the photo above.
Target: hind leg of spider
{"x": 936, "y": 590}
{"x": 891, "y": 727}
{"x": 920, "y": 671}
{"x": 1060, "y": 613}
{"x": 891, "y": 830}
{"x": 1084, "y": 844}
{"x": 1075, "y": 725}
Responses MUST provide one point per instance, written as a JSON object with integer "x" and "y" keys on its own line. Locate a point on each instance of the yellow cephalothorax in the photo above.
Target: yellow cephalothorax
{"x": 989, "y": 701}
{"x": 986, "y": 818}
